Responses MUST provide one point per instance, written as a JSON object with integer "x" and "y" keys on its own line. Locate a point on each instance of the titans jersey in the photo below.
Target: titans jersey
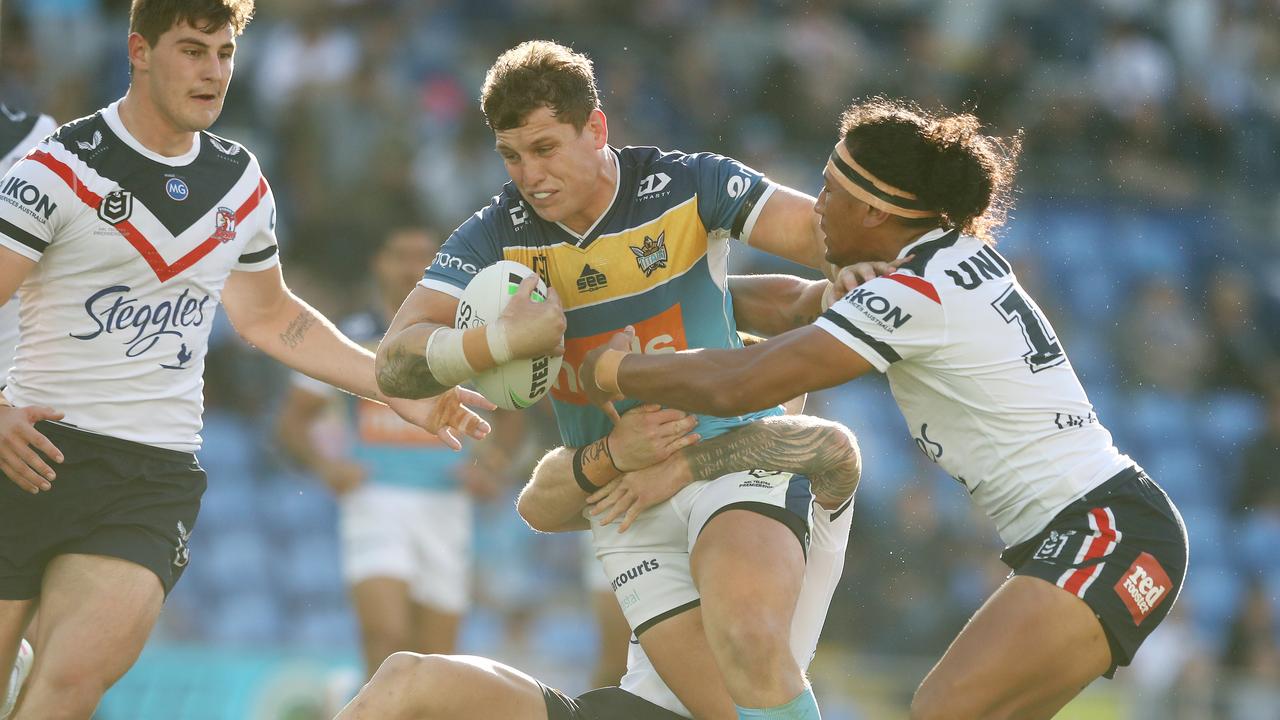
{"x": 132, "y": 251}
{"x": 19, "y": 132}
{"x": 982, "y": 380}
{"x": 656, "y": 259}
{"x": 393, "y": 451}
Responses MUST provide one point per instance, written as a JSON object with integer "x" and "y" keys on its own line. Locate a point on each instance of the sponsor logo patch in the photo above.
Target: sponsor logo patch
{"x": 635, "y": 572}
{"x": 877, "y": 308}
{"x": 1143, "y": 587}
{"x": 28, "y": 198}
{"x": 224, "y": 225}
{"x": 176, "y": 188}
{"x": 591, "y": 280}
{"x": 663, "y": 332}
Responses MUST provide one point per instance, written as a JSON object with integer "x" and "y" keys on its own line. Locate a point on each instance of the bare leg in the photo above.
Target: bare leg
{"x": 435, "y": 630}
{"x": 95, "y": 615}
{"x": 1028, "y": 651}
{"x": 385, "y": 615}
{"x": 678, "y": 649}
{"x": 409, "y": 686}
{"x": 615, "y": 636}
{"x": 748, "y": 569}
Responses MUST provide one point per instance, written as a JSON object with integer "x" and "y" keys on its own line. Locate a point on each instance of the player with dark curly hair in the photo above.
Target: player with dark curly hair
{"x": 1098, "y": 552}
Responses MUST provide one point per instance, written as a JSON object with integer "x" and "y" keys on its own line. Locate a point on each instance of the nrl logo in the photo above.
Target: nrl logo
{"x": 116, "y": 207}
{"x": 652, "y": 254}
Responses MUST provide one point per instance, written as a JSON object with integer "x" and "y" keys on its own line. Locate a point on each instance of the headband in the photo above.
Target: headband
{"x": 868, "y": 188}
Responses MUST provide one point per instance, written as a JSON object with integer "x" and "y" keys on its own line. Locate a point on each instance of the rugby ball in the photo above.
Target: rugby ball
{"x": 520, "y": 383}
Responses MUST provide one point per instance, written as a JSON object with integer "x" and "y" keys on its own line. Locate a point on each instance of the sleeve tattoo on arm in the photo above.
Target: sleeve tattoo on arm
{"x": 823, "y": 451}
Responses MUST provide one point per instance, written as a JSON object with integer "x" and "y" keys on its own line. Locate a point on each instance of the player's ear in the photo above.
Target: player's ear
{"x": 139, "y": 51}
{"x": 598, "y": 127}
{"x": 875, "y": 217}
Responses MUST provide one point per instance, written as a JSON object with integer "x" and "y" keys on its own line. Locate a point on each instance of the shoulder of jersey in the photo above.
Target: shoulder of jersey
{"x": 228, "y": 150}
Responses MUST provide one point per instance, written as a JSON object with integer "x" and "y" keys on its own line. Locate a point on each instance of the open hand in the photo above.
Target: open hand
{"x": 22, "y": 447}
{"x": 648, "y": 434}
{"x": 446, "y": 414}
{"x": 632, "y": 493}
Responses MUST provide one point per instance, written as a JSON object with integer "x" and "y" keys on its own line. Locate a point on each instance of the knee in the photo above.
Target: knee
{"x": 756, "y": 646}
{"x": 64, "y": 693}
{"x": 932, "y": 702}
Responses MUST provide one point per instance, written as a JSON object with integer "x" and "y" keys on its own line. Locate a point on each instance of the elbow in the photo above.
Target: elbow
{"x": 527, "y": 508}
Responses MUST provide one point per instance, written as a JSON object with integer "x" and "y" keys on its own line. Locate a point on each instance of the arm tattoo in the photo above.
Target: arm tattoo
{"x": 824, "y": 451}
{"x": 298, "y": 327}
{"x": 405, "y": 374}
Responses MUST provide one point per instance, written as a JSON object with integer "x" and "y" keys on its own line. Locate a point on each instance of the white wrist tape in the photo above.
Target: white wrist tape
{"x": 446, "y": 359}
{"x": 499, "y": 348}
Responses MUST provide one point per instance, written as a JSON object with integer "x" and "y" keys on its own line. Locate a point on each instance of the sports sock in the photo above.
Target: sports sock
{"x": 803, "y": 707}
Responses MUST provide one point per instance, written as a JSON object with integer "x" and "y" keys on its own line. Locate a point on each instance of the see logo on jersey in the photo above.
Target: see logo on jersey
{"x": 652, "y": 253}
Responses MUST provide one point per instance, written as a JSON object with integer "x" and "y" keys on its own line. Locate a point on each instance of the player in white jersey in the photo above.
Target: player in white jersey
{"x": 19, "y": 132}
{"x": 130, "y": 227}
{"x": 442, "y": 687}
{"x": 1098, "y": 552}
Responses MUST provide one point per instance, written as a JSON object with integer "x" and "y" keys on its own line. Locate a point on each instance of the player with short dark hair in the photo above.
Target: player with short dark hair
{"x": 632, "y": 236}
{"x": 1098, "y": 552}
{"x": 132, "y": 225}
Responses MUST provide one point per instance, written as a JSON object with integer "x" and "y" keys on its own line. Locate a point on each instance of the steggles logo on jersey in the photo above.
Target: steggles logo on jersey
{"x": 113, "y": 311}
{"x": 224, "y": 225}
{"x": 652, "y": 253}
{"x": 28, "y": 198}
{"x": 116, "y": 207}
{"x": 878, "y": 309}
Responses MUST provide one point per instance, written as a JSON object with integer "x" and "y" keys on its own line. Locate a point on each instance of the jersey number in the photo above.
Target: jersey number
{"x": 1043, "y": 350}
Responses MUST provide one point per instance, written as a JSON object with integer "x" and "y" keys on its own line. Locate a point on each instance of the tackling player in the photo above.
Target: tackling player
{"x": 630, "y": 236}
{"x": 1098, "y": 552}
{"x": 131, "y": 227}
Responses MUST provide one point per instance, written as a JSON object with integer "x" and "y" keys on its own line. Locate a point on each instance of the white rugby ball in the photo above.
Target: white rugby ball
{"x": 520, "y": 383}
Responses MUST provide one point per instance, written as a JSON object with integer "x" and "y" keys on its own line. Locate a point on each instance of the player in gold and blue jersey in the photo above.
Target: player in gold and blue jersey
{"x": 631, "y": 237}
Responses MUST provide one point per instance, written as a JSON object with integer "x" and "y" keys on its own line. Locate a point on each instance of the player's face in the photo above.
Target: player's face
{"x": 187, "y": 73}
{"x": 840, "y": 219}
{"x": 398, "y": 266}
{"x": 559, "y": 170}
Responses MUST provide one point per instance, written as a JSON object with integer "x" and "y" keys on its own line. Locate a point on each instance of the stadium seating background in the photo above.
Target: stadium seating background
{"x": 1146, "y": 227}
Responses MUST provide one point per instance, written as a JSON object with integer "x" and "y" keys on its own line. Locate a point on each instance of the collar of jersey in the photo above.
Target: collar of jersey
{"x": 112, "y": 117}
{"x": 927, "y": 237}
{"x": 584, "y": 238}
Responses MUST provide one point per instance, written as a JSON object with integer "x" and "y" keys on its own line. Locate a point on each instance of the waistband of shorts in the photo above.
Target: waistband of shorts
{"x": 1112, "y": 484}
{"x": 114, "y": 443}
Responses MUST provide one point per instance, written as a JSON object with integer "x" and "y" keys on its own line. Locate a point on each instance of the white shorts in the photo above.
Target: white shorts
{"x": 824, "y": 564}
{"x": 422, "y": 537}
{"x": 648, "y": 565}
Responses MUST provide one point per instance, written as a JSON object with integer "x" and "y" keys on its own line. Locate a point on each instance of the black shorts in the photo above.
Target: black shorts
{"x": 611, "y": 703}
{"x": 111, "y": 497}
{"x": 1122, "y": 548}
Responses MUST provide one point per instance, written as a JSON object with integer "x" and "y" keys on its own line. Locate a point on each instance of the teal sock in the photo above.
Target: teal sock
{"x": 803, "y": 707}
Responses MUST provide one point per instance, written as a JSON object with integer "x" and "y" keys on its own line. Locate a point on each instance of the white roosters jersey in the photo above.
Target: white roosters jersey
{"x": 132, "y": 251}
{"x": 19, "y": 132}
{"x": 982, "y": 380}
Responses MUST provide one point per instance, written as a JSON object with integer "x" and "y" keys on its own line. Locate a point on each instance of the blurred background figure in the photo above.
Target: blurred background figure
{"x": 1151, "y": 189}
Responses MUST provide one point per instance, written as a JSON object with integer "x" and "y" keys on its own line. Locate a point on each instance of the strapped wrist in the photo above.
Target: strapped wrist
{"x": 606, "y": 375}
{"x": 495, "y": 333}
{"x": 580, "y": 475}
{"x": 445, "y": 357}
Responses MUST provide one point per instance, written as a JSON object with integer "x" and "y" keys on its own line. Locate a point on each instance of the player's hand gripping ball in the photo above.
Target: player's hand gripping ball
{"x": 521, "y": 382}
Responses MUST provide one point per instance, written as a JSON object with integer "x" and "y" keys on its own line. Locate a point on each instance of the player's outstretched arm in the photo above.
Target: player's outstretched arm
{"x": 553, "y": 499}
{"x": 824, "y": 451}
{"x": 422, "y": 354}
{"x": 770, "y": 305}
{"x": 268, "y": 315}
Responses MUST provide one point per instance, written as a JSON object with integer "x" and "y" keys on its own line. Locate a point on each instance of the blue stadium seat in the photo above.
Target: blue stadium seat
{"x": 1213, "y": 593}
{"x": 330, "y": 626}
{"x": 236, "y": 560}
{"x": 310, "y": 565}
{"x": 294, "y": 503}
{"x": 250, "y": 616}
